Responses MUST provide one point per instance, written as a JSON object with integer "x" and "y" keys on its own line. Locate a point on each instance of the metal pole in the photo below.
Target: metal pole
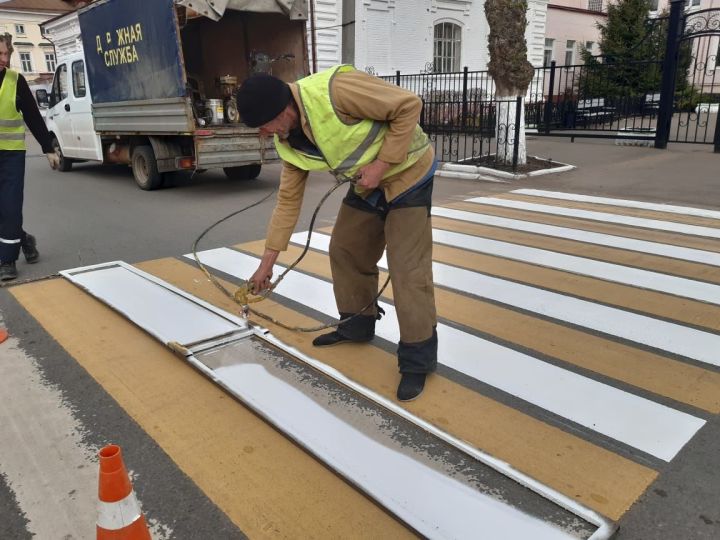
{"x": 397, "y": 78}
{"x": 464, "y": 98}
{"x": 313, "y": 39}
{"x": 667, "y": 88}
{"x": 516, "y": 142}
{"x": 716, "y": 138}
{"x": 551, "y": 96}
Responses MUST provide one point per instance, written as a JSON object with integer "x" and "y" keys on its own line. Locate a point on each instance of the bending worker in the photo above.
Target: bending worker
{"x": 357, "y": 126}
{"x": 17, "y": 108}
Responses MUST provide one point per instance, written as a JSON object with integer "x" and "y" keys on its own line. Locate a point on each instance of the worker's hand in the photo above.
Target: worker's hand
{"x": 260, "y": 280}
{"x": 53, "y": 159}
{"x": 372, "y": 174}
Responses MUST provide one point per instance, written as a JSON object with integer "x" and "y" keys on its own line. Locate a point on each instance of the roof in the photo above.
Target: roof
{"x": 36, "y": 5}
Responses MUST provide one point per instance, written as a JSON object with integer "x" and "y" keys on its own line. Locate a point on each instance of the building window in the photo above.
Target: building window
{"x": 26, "y": 62}
{"x": 20, "y": 29}
{"x": 595, "y": 5}
{"x": 78, "y": 78}
{"x": 691, "y": 3}
{"x": 447, "y": 47}
{"x": 589, "y": 46}
{"x": 569, "y": 52}
{"x": 653, "y": 5}
{"x": 50, "y": 62}
{"x": 548, "y": 54}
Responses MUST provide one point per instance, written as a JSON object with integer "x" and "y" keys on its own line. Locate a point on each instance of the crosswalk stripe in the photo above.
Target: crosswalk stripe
{"x": 677, "y": 380}
{"x": 667, "y": 208}
{"x": 615, "y": 229}
{"x": 669, "y": 226}
{"x": 599, "y": 478}
{"x": 674, "y": 338}
{"x": 633, "y": 259}
{"x": 600, "y": 239}
{"x": 557, "y": 390}
{"x": 696, "y": 290}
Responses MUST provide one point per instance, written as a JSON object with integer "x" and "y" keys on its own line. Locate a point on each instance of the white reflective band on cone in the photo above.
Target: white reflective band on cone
{"x": 117, "y": 515}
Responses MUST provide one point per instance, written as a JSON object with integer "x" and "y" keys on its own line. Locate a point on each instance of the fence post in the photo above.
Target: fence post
{"x": 397, "y": 78}
{"x": 516, "y": 141}
{"x": 549, "y": 102}
{"x": 464, "y": 101}
{"x": 669, "y": 72}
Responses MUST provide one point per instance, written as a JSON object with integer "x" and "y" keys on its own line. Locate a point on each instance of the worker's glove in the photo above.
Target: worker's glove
{"x": 53, "y": 160}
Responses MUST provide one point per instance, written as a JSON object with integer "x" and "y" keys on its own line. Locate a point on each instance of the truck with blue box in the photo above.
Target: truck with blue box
{"x": 152, "y": 83}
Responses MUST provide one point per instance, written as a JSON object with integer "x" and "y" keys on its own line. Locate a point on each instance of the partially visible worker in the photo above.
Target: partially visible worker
{"x": 17, "y": 108}
{"x": 357, "y": 126}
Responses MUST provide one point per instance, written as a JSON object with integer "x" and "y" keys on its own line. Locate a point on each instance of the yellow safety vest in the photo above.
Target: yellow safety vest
{"x": 345, "y": 148}
{"x": 12, "y": 126}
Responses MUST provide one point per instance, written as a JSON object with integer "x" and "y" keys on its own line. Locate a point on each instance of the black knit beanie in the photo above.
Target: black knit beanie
{"x": 261, "y": 98}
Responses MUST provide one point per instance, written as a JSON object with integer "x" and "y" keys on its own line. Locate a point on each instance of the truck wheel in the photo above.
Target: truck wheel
{"x": 65, "y": 163}
{"x": 144, "y": 168}
{"x": 246, "y": 172}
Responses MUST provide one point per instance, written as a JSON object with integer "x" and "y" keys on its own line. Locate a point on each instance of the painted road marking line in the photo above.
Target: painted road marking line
{"x": 601, "y": 239}
{"x": 674, "y": 338}
{"x": 655, "y": 224}
{"x": 668, "y": 208}
{"x": 597, "y": 477}
{"x": 644, "y": 279}
{"x": 651, "y": 427}
{"x": 435, "y": 504}
{"x": 658, "y": 374}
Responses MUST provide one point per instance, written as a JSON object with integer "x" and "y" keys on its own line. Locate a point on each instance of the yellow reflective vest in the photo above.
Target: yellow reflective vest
{"x": 345, "y": 148}
{"x": 12, "y": 126}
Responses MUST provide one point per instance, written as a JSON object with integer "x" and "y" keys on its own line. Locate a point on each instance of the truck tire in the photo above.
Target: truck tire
{"x": 246, "y": 172}
{"x": 144, "y": 168}
{"x": 65, "y": 163}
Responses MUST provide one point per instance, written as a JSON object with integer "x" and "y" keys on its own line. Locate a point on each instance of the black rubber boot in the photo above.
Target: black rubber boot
{"x": 29, "y": 249}
{"x": 360, "y": 329}
{"x": 8, "y": 271}
{"x": 411, "y": 386}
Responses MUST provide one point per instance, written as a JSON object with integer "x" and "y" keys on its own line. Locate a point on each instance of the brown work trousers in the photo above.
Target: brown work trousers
{"x": 361, "y": 233}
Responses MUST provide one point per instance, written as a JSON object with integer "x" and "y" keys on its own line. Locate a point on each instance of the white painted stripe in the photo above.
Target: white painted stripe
{"x": 668, "y": 208}
{"x": 645, "y": 279}
{"x": 117, "y": 515}
{"x": 651, "y": 427}
{"x": 674, "y": 338}
{"x": 434, "y": 504}
{"x": 656, "y": 224}
{"x": 600, "y": 239}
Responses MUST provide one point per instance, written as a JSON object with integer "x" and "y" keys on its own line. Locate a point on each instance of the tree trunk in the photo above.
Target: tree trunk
{"x": 510, "y": 69}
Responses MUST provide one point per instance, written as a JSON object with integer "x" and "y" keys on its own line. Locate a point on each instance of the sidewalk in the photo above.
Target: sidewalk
{"x": 683, "y": 174}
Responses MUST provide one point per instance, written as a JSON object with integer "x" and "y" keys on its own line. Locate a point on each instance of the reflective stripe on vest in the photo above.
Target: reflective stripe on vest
{"x": 345, "y": 148}
{"x": 12, "y": 127}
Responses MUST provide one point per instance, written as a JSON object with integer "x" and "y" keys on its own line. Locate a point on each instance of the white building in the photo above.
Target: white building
{"x": 412, "y": 35}
{"x": 34, "y": 55}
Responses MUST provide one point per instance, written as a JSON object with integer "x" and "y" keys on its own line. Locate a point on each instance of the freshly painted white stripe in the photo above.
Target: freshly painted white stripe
{"x": 435, "y": 505}
{"x": 674, "y": 338}
{"x": 688, "y": 288}
{"x": 599, "y": 239}
{"x": 655, "y": 224}
{"x": 7, "y": 241}
{"x": 117, "y": 515}
{"x": 633, "y": 420}
{"x": 668, "y": 208}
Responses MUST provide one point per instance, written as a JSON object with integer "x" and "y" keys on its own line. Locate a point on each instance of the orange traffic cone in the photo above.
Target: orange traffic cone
{"x": 119, "y": 515}
{"x": 3, "y": 335}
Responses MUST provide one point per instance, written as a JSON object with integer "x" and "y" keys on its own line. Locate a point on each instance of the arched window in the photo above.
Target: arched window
{"x": 447, "y": 47}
